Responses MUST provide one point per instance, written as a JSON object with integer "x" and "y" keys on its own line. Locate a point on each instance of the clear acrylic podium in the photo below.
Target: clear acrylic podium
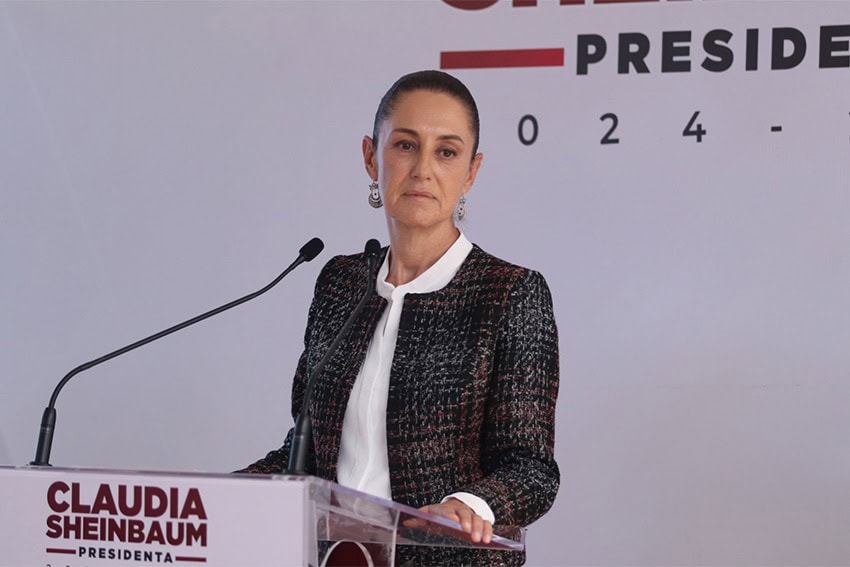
{"x": 93, "y": 517}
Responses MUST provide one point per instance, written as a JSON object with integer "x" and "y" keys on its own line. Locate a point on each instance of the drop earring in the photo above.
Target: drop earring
{"x": 375, "y": 196}
{"x": 461, "y": 208}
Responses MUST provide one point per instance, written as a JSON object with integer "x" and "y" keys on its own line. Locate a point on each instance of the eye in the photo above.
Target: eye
{"x": 447, "y": 153}
{"x": 404, "y": 145}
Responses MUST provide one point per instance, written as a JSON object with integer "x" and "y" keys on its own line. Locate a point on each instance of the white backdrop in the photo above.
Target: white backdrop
{"x": 159, "y": 159}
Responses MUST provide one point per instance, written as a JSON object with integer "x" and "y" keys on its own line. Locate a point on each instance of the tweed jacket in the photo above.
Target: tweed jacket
{"x": 471, "y": 402}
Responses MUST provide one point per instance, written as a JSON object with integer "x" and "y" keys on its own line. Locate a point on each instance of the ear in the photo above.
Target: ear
{"x": 370, "y": 158}
{"x": 473, "y": 171}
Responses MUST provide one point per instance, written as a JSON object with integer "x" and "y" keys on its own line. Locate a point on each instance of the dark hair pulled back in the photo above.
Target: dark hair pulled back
{"x": 434, "y": 81}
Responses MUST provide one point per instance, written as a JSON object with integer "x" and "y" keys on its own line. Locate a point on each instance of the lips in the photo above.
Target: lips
{"x": 418, "y": 194}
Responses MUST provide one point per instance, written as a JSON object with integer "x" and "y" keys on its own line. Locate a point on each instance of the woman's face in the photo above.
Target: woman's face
{"x": 423, "y": 159}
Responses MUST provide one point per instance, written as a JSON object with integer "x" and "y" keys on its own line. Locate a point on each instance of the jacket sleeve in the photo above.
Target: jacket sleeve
{"x": 518, "y": 442}
{"x": 277, "y": 460}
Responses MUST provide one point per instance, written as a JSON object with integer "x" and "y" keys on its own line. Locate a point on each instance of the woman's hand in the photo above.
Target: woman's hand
{"x": 479, "y": 529}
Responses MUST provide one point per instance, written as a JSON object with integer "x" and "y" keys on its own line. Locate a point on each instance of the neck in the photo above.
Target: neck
{"x": 412, "y": 252}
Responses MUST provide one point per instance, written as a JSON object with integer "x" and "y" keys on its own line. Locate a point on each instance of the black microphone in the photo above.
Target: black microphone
{"x": 48, "y": 418}
{"x": 302, "y": 436}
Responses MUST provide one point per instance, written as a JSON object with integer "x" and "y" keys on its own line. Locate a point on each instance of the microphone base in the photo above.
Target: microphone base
{"x": 295, "y": 473}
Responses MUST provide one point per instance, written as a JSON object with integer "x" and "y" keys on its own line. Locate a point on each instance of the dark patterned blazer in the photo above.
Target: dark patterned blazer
{"x": 472, "y": 392}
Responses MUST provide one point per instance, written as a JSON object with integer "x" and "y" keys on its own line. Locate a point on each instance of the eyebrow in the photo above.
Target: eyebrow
{"x": 415, "y": 133}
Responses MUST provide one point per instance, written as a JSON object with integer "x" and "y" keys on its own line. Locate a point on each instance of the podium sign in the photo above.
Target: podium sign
{"x": 90, "y": 518}
{"x": 55, "y": 516}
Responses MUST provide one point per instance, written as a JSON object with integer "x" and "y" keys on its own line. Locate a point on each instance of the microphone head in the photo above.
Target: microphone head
{"x": 311, "y": 249}
{"x": 372, "y": 247}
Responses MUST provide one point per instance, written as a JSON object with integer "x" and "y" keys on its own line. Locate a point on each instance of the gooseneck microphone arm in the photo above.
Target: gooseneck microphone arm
{"x": 302, "y": 435}
{"x": 48, "y": 418}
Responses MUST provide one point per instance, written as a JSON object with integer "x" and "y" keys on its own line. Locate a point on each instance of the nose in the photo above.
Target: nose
{"x": 423, "y": 167}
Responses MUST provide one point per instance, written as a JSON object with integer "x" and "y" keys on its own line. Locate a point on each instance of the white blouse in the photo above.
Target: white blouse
{"x": 363, "y": 448}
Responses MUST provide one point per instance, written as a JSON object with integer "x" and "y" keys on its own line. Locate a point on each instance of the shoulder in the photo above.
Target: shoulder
{"x": 345, "y": 268}
{"x": 523, "y": 300}
{"x": 342, "y": 281}
{"x": 339, "y": 264}
{"x": 485, "y": 269}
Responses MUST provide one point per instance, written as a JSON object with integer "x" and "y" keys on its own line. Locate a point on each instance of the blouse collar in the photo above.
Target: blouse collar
{"x": 434, "y": 278}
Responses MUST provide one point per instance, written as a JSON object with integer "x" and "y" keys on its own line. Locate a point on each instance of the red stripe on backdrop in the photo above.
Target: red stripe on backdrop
{"x": 553, "y": 57}
{"x": 621, "y": 1}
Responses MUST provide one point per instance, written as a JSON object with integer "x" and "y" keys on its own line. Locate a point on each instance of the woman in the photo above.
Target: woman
{"x": 442, "y": 396}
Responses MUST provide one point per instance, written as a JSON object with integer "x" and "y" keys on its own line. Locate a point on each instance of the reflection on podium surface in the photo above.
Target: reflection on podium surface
{"x": 345, "y": 514}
